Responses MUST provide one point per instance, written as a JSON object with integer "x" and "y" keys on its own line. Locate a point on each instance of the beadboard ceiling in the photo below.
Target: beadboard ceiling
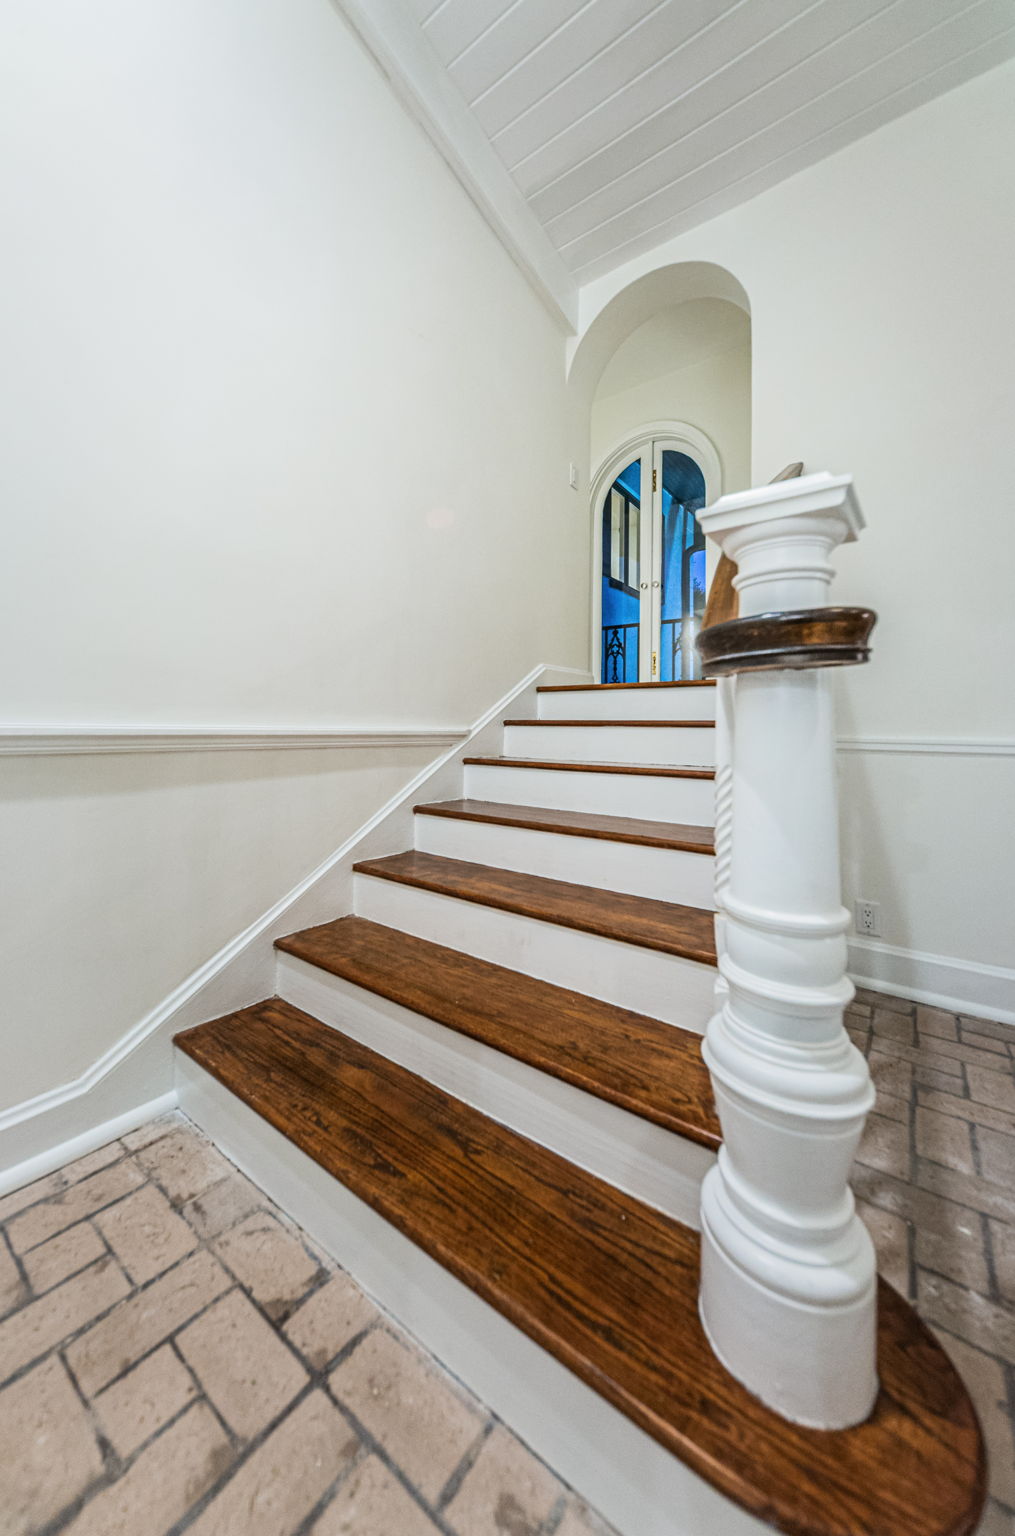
{"x": 623, "y": 122}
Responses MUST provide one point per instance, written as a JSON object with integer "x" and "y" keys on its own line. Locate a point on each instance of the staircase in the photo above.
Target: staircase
{"x": 484, "y": 1089}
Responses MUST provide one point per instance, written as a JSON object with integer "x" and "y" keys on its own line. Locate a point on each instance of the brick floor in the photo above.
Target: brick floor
{"x": 935, "y": 1182}
{"x": 177, "y": 1359}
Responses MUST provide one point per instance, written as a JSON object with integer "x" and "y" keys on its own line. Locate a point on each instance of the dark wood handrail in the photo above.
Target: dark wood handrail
{"x": 813, "y": 637}
{"x": 723, "y": 603}
{"x": 809, "y": 637}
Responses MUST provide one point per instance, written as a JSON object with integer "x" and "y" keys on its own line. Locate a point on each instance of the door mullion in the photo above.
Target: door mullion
{"x": 645, "y": 553}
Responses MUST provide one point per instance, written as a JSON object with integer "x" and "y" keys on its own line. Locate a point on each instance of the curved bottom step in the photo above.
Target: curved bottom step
{"x": 604, "y": 1284}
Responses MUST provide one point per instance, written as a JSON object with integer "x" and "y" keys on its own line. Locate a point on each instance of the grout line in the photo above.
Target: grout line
{"x": 460, "y": 1473}
{"x": 993, "y": 1289}
{"x": 375, "y": 1448}
{"x": 30, "y": 1293}
{"x": 248, "y": 1449}
{"x": 555, "y": 1518}
{"x": 68, "y": 1338}
{"x": 307, "y": 1524}
{"x": 202, "y": 1395}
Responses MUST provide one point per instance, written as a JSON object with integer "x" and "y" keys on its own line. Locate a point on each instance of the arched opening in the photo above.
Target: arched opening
{"x": 649, "y": 553}
{"x": 664, "y": 375}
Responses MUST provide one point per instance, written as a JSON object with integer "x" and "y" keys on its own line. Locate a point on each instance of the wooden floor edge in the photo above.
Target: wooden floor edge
{"x": 691, "y": 682}
{"x": 623, "y": 725}
{"x": 654, "y": 771}
{"x": 525, "y": 823}
{"x": 380, "y": 869}
{"x": 704, "y": 1134}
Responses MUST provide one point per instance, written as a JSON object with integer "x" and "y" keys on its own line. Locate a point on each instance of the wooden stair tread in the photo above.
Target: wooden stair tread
{"x": 623, "y": 725}
{"x": 663, "y": 925}
{"x": 653, "y": 770}
{"x": 691, "y": 682}
{"x": 653, "y": 1069}
{"x": 681, "y": 836}
{"x": 606, "y": 1284}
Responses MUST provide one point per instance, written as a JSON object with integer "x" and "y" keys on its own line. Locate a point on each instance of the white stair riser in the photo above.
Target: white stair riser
{"x": 650, "y": 797}
{"x": 675, "y": 747}
{"x": 664, "y": 874}
{"x": 664, "y": 986}
{"x": 647, "y": 1161}
{"x": 628, "y": 704}
{"x": 639, "y": 1487}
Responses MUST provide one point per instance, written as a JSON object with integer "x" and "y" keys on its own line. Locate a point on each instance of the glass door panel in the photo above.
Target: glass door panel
{"x": 652, "y": 580}
{"x": 680, "y": 493}
{"x": 621, "y": 592}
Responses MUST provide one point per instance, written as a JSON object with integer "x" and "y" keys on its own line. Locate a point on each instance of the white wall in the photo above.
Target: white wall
{"x": 882, "y": 315}
{"x": 125, "y": 873}
{"x": 284, "y": 442}
{"x": 267, "y": 375}
{"x": 689, "y": 363}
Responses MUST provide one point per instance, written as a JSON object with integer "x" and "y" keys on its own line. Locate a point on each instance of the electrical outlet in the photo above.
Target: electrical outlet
{"x": 868, "y": 917}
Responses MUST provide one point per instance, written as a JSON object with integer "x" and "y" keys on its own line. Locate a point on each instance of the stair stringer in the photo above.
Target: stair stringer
{"x": 634, "y": 1483}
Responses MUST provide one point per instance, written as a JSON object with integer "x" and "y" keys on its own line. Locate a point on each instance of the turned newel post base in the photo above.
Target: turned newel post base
{"x": 788, "y": 1284}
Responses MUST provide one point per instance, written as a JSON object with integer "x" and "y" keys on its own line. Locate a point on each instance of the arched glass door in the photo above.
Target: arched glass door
{"x": 653, "y": 568}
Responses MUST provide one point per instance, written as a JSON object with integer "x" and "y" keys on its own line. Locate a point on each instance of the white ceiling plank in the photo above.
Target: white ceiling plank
{"x": 956, "y": 72}
{"x": 401, "y": 49}
{"x": 608, "y": 72}
{"x": 589, "y": 130}
{"x": 596, "y": 27}
{"x": 693, "y": 135}
{"x": 989, "y": 21}
{"x": 736, "y": 33}
{"x": 424, "y": 9}
{"x": 506, "y": 44}
{"x": 456, "y": 24}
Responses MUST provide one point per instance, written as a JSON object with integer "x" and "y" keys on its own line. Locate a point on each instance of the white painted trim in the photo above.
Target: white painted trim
{"x": 421, "y": 82}
{"x": 946, "y": 746}
{"x": 60, "y": 740}
{"x": 633, "y": 1482}
{"x": 242, "y": 971}
{"x": 96, "y": 1136}
{"x": 942, "y": 981}
{"x": 701, "y": 447}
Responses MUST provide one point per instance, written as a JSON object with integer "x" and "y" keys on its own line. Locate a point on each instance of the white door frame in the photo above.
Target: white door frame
{"x": 677, "y": 434}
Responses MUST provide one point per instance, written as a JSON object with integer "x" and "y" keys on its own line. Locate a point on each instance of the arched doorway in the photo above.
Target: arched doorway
{"x": 649, "y": 575}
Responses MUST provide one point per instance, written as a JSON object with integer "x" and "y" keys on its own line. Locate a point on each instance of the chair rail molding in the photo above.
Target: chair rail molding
{"x": 788, "y": 1285}
{"x": 941, "y": 746}
{"x": 83, "y": 740}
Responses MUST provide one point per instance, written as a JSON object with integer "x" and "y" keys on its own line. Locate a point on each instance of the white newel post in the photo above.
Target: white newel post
{"x": 787, "y": 1269}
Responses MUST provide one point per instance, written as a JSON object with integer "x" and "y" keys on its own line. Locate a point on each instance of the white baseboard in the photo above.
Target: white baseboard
{"x": 97, "y": 1135}
{"x": 620, "y": 1470}
{"x": 137, "y": 1069}
{"x": 942, "y": 981}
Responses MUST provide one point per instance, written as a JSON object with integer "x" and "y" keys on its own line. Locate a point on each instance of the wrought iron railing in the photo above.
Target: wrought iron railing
{"x": 620, "y": 653}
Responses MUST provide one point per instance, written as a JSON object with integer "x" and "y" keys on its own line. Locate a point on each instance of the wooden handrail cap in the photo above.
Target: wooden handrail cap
{"x": 806, "y": 637}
